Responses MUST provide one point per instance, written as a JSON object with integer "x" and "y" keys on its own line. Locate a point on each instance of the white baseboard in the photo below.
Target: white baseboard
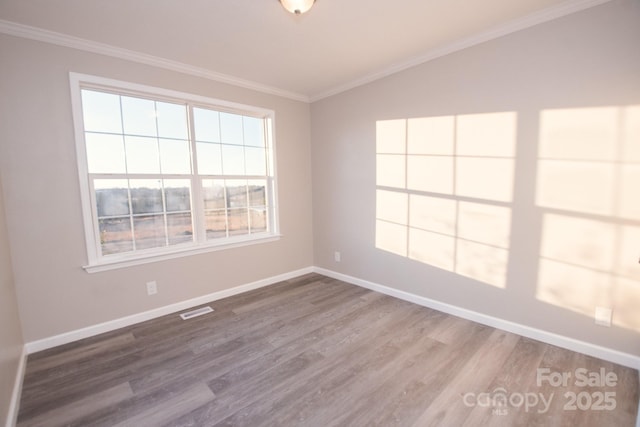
{"x": 14, "y": 404}
{"x": 604, "y": 353}
{"x": 614, "y": 356}
{"x": 43, "y": 344}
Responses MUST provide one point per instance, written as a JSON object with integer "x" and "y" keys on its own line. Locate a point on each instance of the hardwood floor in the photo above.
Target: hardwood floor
{"x": 314, "y": 351}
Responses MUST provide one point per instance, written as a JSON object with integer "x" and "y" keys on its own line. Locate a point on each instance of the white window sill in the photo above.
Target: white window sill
{"x": 114, "y": 263}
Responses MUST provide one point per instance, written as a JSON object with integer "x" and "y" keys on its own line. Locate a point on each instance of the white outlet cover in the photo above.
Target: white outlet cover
{"x": 603, "y": 316}
{"x": 152, "y": 288}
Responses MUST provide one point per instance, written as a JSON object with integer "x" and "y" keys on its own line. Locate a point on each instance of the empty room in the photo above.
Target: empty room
{"x": 319, "y": 213}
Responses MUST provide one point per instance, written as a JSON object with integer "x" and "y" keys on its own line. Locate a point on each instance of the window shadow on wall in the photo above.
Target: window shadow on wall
{"x": 587, "y": 189}
{"x": 444, "y": 191}
{"x": 444, "y": 197}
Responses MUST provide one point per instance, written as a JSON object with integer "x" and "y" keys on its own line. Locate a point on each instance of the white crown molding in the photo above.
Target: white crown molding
{"x": 52, "y": 37}
{"x": 549, "y": 14}
{"x": 545, "y": 15}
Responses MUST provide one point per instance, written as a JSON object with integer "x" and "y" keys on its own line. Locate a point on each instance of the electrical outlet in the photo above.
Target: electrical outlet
{"x": 336, "y": 256}
{"x": 152, "y": 288}
{"x": 603, "y": 316}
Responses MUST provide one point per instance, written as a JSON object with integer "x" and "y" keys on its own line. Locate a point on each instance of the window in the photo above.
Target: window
{"x": 164, "y": 173}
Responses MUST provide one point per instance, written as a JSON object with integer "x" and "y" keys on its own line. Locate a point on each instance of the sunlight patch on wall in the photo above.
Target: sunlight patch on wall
{"x": 589, "y": 161}
{"x": 444, "y": 190}
{"x": 391, "y": 222}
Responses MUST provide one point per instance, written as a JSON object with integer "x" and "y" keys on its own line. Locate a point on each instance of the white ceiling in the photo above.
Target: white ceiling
{"x": 337, "y": 45}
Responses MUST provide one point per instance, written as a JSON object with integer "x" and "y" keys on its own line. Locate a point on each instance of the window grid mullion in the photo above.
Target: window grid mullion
{"x": 164, "y": 212}
{"x": 130, "y": 201}
{"x": 196, "y": 193}
{"x": 126, "y": 170}
{"x": 227, "y": 207}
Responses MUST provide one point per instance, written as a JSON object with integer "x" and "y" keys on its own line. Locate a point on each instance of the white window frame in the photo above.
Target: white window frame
{"x": 98, "y": 262}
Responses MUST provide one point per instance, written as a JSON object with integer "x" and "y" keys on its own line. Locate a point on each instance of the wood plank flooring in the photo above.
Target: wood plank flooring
{"x": 314, "y": 351}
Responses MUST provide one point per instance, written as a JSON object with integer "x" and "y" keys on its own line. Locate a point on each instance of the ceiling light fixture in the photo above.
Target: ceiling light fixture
{"x": 297, "y": 7}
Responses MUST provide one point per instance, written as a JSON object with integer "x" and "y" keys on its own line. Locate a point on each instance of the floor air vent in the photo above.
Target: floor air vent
{"x": 195, "y": 313}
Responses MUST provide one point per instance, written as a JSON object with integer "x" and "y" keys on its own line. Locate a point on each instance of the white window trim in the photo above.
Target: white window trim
{"x": 96, "y": 263}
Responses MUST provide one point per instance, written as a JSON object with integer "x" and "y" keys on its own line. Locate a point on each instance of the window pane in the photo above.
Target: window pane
{"x": 256, "y": 161}
{"x": 112, "y": 197}
{"x": 231, "y": 128}
{"x": 253, "y": 131}
{"x": 177, "y": 194}
{"x": 142, "y": 155}
{"x": 175, "y": 156}
{"x": 139, "y": 116}
{"x": 149, "y": 231}
{"x": 232, "y": 160}
{"x": 257, "y": 193}
{"x": 216, "y": 224}
{"x": 238, "y": 222}
{"x": 142, "y": 151}
{"x": 115, "y": 235}
{"x": 258, "y": 218}
{"x": 146, "y": 196}
{"x": 101, "y": 112}
{"x": 236, "y": 193}
{"x": 179, "y": 228}
{"x": 105, "y": 153}
{"x": 207, "y": 124}
{"x": 172, "y": 120}
{"x": 213, "y": 194}
{"x": 209, "y": 158}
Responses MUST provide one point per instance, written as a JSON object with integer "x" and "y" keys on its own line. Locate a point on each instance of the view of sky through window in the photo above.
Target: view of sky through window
{"x": 159, "y": 170}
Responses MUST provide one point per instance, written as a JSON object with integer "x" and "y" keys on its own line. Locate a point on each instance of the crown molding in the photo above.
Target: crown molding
{"x": 52, "y": 37}
{"x": 563, "y": 9}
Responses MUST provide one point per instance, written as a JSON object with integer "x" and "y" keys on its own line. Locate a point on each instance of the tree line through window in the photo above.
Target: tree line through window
{"x": 165, "y": 174}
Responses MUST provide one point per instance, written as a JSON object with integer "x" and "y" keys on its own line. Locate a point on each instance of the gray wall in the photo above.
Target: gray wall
{"x": 10, "y": 332}
{"x": 589, "y": 59}
{"x": 42, "y": 196}
{"x": 571, "y": 245}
